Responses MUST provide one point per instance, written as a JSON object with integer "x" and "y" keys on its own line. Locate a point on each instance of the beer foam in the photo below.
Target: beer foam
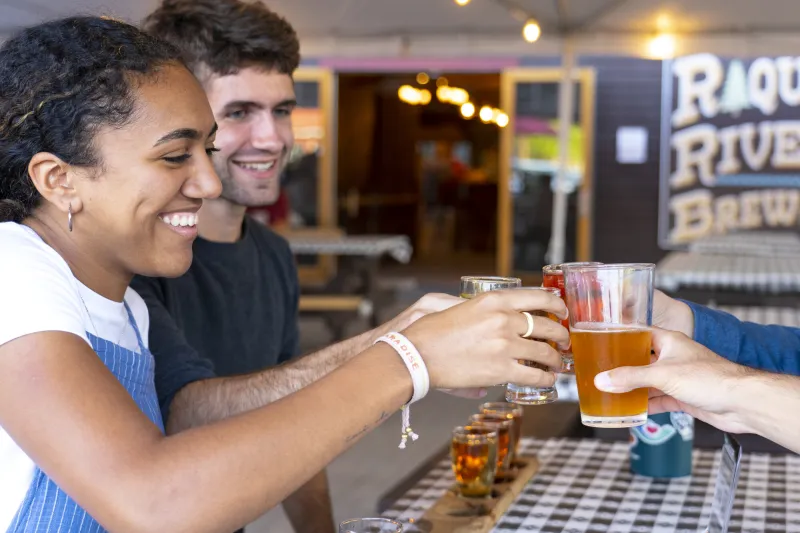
{"x": 602, "y": 327}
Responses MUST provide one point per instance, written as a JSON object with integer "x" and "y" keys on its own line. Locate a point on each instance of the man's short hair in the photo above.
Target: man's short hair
{"x": 221, "y": 37}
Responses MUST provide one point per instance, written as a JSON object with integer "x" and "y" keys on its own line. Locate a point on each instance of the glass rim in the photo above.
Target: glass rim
{"x": 376, "y": 519}
{"x": 502, "y": 421}
{"x": 501, "y": 406}
{"x": 551, "y": 290}
{"x": 490, "y": 278}
{"x": 559, "y": 267}
{"x": 469, "y": 431}
{"x": 613, "y": 266}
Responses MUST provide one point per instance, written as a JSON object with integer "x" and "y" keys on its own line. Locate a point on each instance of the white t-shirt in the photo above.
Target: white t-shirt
{"x": 39, "y": 293}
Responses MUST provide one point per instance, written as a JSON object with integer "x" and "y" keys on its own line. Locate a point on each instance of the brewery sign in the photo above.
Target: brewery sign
{"x": 730, "y": 147}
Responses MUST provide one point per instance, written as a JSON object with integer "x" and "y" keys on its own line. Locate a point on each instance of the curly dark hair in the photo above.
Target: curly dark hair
{"x": 59, "y": 83}
{"x": 220, "y": 37}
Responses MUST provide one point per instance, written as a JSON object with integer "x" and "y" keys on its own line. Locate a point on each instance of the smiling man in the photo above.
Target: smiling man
{"x": 225, "y": 334}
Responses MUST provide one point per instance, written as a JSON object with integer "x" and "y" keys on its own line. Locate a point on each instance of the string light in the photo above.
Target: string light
{"x": 413, "y": 96}
{"x": 423, "y": 78}
{"x": 532, "y": 31}
{"x": 501, "y": 120}
{"x": 486, "y": 114}
{"x": 452, "y": 95}
{"x": 441, "y": 81}
{"x": 468, "y": 110}
{"x": 425, "y": 97}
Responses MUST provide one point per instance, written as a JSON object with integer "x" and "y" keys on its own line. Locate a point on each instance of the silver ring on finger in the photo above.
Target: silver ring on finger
{"x": 529, "y": 331}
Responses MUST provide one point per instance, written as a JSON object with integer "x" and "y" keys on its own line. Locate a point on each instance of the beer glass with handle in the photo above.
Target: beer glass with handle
{"x": 610, "y": 315}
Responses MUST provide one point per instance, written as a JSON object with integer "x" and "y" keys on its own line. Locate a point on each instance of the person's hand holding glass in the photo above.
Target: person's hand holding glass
{"x": 543, "y": 330}
{"x": 535, "y": 395}
{"x": 610, "y": 314}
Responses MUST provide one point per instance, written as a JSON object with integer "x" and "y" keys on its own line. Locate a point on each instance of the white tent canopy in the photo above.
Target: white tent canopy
{"x": 417, "y": 28}
{"x": 491, "y": 27}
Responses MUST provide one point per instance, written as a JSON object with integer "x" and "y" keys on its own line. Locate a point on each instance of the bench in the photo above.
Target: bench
{"x": 336, "y": 310}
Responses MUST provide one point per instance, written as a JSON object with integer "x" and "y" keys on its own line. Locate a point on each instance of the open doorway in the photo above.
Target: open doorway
{"x": 428, "y": 169}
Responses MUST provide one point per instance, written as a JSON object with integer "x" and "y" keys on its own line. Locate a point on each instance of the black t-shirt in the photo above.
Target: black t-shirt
{"x": 234, "y": 311}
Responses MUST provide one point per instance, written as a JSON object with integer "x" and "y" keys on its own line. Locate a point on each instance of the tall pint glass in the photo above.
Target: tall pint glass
{"x": 610, "y": 314}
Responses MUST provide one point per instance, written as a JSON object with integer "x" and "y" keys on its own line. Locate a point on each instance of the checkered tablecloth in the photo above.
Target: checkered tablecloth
{"x": 586, "y": 486}
{"x": 397, "y": 246}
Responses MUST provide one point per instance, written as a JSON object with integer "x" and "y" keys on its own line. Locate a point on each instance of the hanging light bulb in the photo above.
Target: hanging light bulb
{"x": 407, "y": 94}
{"x": 424, "y": 97}
{"x": 443, "y": 94}
{"x": 662, "y": 46}
{"x": 423, "y": 78}
{"x": 462, "y": 2}
{"x": 486, "y": 114}
{"x": 458, "y": 96}
{"x": 501, "y": 120}
{"x": 532, "y": 31}
{"x": 468, "y": 110}
{"x": 413, "y": 96}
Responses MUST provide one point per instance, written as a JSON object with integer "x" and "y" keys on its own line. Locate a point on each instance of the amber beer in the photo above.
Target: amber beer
{"x": 610, "y": 315}
{"x": 503, "y": 427}
{"x": 473, "y": 451}
{"x": 600, "y": 347}
{"x": 511, "y": 412}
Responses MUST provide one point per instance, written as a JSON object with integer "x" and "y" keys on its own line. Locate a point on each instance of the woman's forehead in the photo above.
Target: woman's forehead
{"x": 170, "y": 101}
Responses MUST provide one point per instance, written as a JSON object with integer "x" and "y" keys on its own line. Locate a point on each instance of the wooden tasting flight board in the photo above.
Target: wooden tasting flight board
{"x": 454, "y": 514}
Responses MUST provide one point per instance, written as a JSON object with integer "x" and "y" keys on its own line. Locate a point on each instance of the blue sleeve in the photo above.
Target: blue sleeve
{"x": 773, "y": 348}
{"x": 177, "y": 363}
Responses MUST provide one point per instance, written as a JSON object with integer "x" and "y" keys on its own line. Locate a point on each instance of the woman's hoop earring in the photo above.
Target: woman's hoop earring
{"x": 69, "y": 217}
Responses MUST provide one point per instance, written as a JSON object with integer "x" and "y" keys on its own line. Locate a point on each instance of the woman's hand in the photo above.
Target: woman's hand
{"x": 479, "y": 343}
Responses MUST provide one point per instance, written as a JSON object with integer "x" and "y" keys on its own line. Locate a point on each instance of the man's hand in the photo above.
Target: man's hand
{"x": 686, "y": 377}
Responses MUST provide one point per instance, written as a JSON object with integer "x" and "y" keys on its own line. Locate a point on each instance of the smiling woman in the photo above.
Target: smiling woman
{"x": 105, "y": 139}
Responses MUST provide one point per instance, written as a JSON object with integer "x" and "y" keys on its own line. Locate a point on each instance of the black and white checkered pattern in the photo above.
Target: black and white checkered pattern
{"x": 586, "y": 486}
{"x": 728, "y": 271}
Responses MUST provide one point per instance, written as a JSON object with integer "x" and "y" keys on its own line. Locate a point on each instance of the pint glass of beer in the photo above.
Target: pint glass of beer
{"x": 472, "y": 286}
{"x": 553, "y": 276}
{"x": 610, "y": 314}
{"x": 473, "y": 451}
{"x": 535, "y": 395}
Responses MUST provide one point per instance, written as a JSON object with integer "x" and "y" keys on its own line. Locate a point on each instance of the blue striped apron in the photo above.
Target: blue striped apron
{"x": 46, "y": 508}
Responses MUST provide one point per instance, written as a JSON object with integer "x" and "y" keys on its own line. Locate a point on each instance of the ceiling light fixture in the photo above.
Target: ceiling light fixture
{"x": 532, "y": 31}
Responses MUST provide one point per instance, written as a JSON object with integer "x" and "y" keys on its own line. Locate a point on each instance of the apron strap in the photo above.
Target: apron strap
{"x": 132, "y": 321}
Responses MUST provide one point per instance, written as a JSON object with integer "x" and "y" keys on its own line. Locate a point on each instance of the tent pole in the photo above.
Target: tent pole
{"x": 566, "y": 98}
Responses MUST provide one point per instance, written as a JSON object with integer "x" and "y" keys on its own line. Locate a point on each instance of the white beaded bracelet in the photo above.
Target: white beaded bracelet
{"x": 419, "y": 378}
